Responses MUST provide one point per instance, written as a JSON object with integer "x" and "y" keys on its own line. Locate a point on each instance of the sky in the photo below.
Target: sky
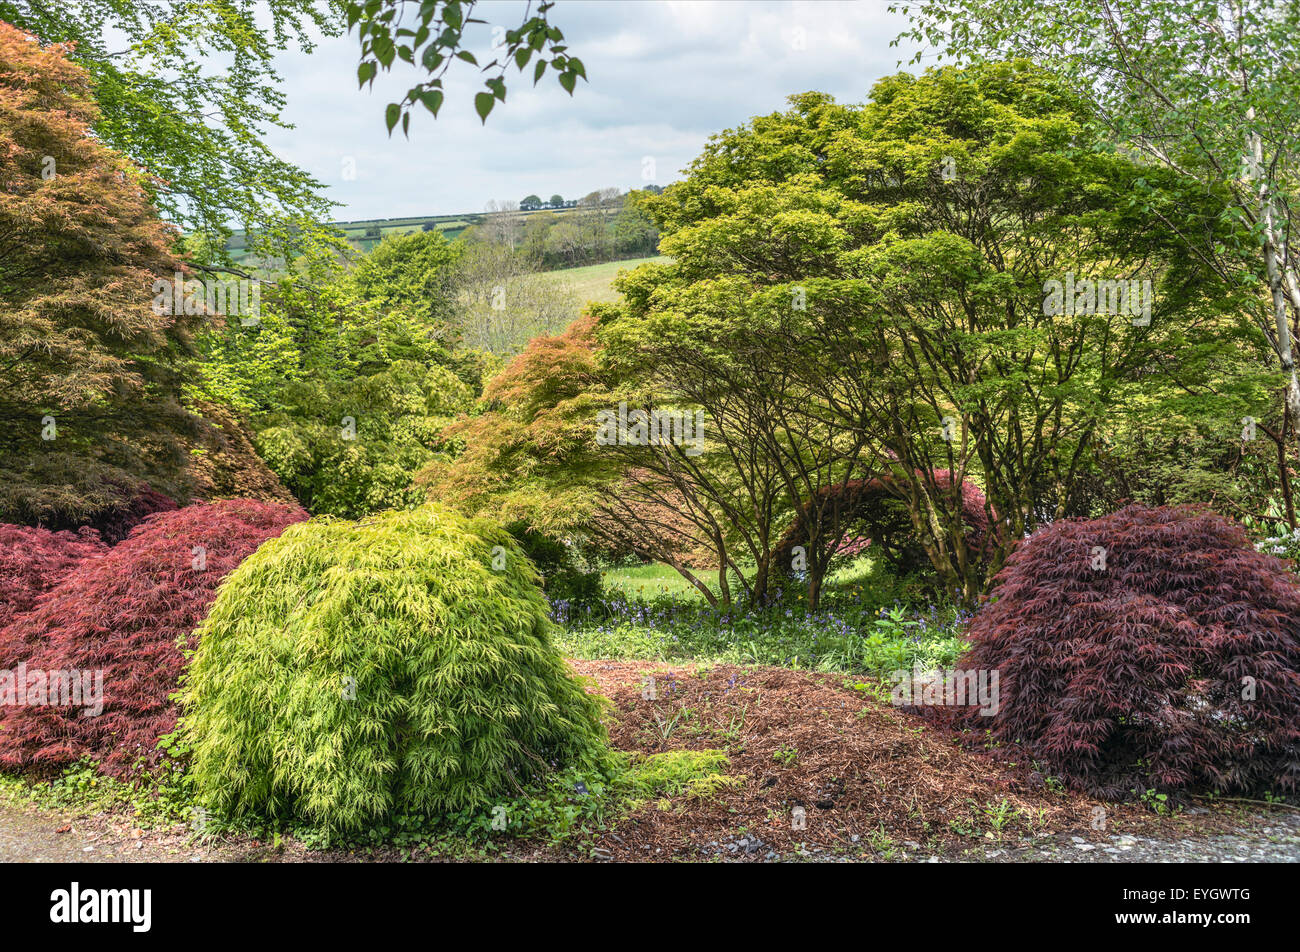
{"x": 663, "y": 75}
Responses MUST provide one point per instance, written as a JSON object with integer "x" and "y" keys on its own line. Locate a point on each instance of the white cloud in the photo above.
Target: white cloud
{"x": 664, "y": 76}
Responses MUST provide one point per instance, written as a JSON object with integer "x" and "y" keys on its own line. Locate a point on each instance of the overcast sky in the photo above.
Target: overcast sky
{"x": 664, "y": 75}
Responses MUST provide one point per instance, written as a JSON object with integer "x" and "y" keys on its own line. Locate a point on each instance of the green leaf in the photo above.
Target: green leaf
{"x": 391, "y": 115}
{"x": 432, "y": 59}
{"x": 432, "y": 100}
{"x": 483, "y": 105}
{"x": 568, "y": 81}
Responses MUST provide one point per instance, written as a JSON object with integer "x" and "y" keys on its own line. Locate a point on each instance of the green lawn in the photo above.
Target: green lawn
{"x": 646, "y": 581}
{"x": 656, "y": 578}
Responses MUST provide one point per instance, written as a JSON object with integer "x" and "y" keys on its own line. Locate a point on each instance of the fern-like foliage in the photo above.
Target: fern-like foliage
{"x": 353, "y": 670}
{"x": 130, "y": 613}
{"x": 1153, "y": 648}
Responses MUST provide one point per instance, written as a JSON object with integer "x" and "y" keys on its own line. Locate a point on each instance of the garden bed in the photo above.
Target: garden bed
{"x": 871, "y": 780}
{"x": 875, "y": 783}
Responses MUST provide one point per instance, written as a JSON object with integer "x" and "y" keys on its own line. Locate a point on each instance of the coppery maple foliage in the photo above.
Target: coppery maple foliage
{"x": 89, "y": 400}
{"x": 1153, "y": 648}
{"x": 530, "y": 456}
{"x": 229, "y": 467}
{"x": 130, "y": 613}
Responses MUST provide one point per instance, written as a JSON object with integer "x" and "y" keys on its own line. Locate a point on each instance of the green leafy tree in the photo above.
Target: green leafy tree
{"x": 892, "y": 260}
{"x": 415, "y": 273}
{"x": 1206, "y": 90}
{"x": 346, "y": 397}
{"x": 189, "y": 92}
{"x": 431, "y": 36}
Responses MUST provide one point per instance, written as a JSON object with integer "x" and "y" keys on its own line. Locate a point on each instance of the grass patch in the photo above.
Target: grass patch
{"x": 652, "y": 580}
{"x": 868, "y": 623}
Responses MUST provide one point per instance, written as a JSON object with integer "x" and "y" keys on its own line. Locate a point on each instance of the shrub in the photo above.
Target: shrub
{"x": 229, "y": 467}
{"x": 350, "y": 671}
{"x": 564, "y": 579}
{"x": 131, "y": 613}
{"x": 872, "y": 511}
{"x": 1174, "y": 663}
{"x": 33, "y": 561}
{"x": 115, "y": 522}
{"x": 123, "y": 506}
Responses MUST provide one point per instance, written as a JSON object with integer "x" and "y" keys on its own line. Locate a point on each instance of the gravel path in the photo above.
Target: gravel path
{"x": 1276, "y": 839}
{"x": 29, "y": 835}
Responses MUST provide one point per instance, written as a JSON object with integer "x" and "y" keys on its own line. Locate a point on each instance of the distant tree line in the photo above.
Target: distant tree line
{"x": 605, "y": 225}
{"x": 532, "y": 203}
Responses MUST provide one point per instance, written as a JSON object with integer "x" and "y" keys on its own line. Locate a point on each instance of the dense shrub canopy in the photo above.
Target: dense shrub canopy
{"x": 1175, "y": 662}
{"x": 33, "y": 561}
{"x": 349, "y": 668}
{"x": 115, "y": 522}
{"x": 229, "y": 467}
{"x": 131, "y": 612}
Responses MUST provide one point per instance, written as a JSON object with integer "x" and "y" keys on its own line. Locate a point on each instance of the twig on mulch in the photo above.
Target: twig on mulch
{"x": 1259, "y": 803}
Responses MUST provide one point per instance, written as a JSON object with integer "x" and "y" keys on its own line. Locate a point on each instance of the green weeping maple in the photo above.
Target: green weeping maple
{"x": 351, "y": 670}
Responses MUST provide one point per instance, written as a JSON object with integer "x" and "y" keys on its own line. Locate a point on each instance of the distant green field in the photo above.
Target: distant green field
{"x": 595, "y": 282}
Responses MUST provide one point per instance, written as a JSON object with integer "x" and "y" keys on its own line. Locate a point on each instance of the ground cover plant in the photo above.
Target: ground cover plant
{"x": 1151, "y": 649}
{"x": 403, "y": 663}
{"x": 129, "y": 613}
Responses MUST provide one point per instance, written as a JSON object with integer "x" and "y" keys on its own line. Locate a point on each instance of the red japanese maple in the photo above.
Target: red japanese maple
{"x": 131, "y": 613}
{"x": 33, "y": 561}
{"x": 1148, "y": 649}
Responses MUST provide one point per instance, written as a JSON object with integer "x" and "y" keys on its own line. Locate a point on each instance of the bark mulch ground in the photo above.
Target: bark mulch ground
{"x": 872, "y": 780}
